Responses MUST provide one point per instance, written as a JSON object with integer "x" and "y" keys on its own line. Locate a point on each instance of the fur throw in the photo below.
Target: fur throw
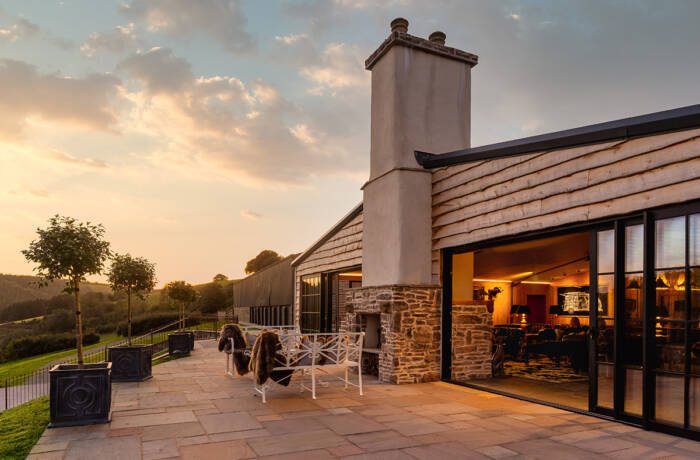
{"x": 263, "y": 359}
{"x": 241, "y": 359}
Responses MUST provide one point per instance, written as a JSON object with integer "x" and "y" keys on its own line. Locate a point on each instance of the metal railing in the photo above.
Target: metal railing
{"x": 23, "y": 388}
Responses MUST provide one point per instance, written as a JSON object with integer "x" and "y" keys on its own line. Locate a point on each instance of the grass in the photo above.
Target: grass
{"x": 22, "y": 426}
{"x": 28, "y": 365}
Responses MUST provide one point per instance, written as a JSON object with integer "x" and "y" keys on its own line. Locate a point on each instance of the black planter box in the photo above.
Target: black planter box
{"x": 131, "y": 363}
{"x": 80, "y": 395}
{"x": 180, "y": 343}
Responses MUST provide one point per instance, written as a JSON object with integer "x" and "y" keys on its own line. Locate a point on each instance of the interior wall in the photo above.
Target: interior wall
{"x": 462, "y": 278}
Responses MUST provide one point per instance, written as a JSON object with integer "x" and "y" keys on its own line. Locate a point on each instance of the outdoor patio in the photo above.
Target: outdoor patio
{"x": 191, "y": 410}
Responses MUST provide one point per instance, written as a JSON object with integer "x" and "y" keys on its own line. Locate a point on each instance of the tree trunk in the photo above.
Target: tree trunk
{"x": 78, "y": 323}
{"x": 128, "y": 314}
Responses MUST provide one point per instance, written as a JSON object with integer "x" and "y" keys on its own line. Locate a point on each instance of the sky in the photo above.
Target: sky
{"x": 201, "y": 132}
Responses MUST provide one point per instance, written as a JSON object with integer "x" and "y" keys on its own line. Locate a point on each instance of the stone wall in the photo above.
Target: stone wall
{"x": 410, "y": 328}
{"x": 471, "y": 342}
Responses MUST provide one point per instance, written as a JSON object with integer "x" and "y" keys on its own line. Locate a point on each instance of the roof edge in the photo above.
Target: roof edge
{"x": 253, "y": 275}
{"x": 643, "y": 125}
{"x": 326, "y": 236}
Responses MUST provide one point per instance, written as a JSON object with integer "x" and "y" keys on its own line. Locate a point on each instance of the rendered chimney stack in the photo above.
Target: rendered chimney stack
{"x": 438, "y": 37}
{"x": 399, "y": 25}
{"x": 420, "y": 101}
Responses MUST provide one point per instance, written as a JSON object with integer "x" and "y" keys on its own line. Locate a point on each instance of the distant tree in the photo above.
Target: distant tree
{"x": 212, "y": 298}
{"x": 182, "y": 294}
{"x": 219, "y": 278}
{"x": 131, "y": 275}
{"x": 69, "y": 250}
{"x": 266, "y": 258}
{"x": 24, "y": 310}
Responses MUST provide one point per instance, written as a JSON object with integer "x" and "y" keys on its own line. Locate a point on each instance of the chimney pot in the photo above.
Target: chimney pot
{"x": 438, "y": 37}
{"x": 399, "y": 25}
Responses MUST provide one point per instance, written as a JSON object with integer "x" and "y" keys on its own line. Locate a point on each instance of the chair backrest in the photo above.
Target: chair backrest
{"x": 323, "y": 348}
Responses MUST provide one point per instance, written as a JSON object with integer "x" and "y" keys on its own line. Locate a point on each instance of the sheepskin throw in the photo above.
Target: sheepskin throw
{"x": 241, "y": 359}
{"x": 264, "y": 357}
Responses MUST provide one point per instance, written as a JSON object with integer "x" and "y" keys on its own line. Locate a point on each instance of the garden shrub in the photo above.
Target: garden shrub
{"x": 33, "y": 345}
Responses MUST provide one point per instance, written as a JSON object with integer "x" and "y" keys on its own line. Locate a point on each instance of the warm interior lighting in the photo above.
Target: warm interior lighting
{"x": 482, "y": 280}
{"x": 351, "y": 274}
{"x": 521, "y": 275}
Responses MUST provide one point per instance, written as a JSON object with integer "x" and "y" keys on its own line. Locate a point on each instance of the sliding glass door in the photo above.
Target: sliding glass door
{"x": 645, "y": 329}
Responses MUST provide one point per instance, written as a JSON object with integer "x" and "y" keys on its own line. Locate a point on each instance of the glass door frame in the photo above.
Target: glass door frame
{"x": 619, "y": 370}
{"x": 648, "y": 219}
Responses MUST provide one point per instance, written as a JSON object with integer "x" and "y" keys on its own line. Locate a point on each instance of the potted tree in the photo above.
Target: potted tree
{"x": 132, "y": 276}
{"x": 182, "y": 294}
{"x": 68, "y": 250}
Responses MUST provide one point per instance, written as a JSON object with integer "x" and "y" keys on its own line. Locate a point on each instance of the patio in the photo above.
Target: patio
{"x": 191, "y": 410}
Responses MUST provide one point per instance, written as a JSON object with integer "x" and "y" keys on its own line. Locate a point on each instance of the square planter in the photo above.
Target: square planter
{"x": 180, "y": 343}
{"x": 131, "y": 363}
{"x": 80, "y": 395}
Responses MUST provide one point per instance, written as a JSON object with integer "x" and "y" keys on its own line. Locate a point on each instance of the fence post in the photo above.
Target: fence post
{"x": 151, "y": 334}
{"x": 6, "y": 402}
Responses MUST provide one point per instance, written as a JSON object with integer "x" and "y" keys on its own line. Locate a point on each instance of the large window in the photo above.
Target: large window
{"x": 677, "y": 333}
{"x": 311, "y": 303}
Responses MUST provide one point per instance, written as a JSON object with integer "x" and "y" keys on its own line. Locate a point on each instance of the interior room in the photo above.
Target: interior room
{"x": 539, "y": 293}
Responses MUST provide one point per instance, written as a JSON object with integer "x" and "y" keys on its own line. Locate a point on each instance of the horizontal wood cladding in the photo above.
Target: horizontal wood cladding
{"x": 507, "y": 196}
{"x": 344, "y": 249}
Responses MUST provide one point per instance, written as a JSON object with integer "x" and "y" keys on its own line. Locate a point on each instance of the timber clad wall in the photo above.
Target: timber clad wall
{"x": 342, "y": 250}
{"x": 492, "y": 198}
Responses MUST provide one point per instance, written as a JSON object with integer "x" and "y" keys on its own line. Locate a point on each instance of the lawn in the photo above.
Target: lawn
{"x": 29, "y": 365}
{"x": 21, "y": 427}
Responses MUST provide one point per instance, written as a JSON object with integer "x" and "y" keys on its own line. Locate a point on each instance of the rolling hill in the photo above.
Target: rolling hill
{"x": 17, "y": 288}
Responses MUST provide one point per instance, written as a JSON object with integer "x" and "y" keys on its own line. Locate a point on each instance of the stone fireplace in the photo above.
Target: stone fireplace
{"x": 370, "y": 324}
{"x": 409, "y": 329}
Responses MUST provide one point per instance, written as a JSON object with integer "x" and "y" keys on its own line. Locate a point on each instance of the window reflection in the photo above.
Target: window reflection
{"x": 695, "y": 349}
{"x": 670, "y": 345}
{"x": 670, "y": 294}
{"x": 694, "y": 239}
{"x": 606, "y": 251}
{"x": 670, "y": 242}
{"x": 634, "y": 248}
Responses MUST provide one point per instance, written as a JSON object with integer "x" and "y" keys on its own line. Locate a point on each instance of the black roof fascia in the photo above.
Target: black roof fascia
{"x": 643, "y": 125}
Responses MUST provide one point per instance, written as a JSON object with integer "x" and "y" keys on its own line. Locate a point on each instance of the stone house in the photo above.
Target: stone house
{"x": 562, "y": 268}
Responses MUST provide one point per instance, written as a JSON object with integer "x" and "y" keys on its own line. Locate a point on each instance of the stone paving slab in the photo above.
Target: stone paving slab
{"x": 191, "y": 410}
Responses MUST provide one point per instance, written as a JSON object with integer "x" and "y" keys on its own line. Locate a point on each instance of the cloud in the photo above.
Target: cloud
{"x": 159, "y": 69}
{"x": 21, "y": 29}
{"x": 291, "y": 38}
{"x": 64, "y": 157}
{"x": 118, "y": 40}
{"x": 250, "y": 215}
{"x": 25, "y": 93}
{"x": 219, "y": 127}
{"x": 341, "y": 66}
{"x": 223, "y": 20}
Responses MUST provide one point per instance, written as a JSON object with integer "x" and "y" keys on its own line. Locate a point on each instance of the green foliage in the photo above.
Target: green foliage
{"x": 218, "y": 278}
{"x": 23, "y": 310}
{"x": 142, "y": 324}
{"x": 212, "y": 298}
{"x": 132, "y": 275}
{"x": 180, "y": 291}
{"x": 33, "y": 345}
{"x": 22, "y": 426}
{"x": 68, "y": 250}
{"x": 183, "y": 294}
{"x": 266, "y": 258}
